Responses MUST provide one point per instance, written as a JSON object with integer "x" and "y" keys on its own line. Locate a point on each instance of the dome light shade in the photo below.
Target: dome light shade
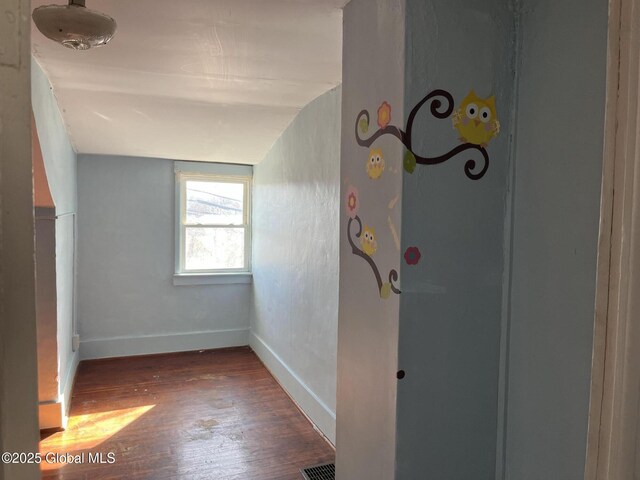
{"x": 74, "y": 25}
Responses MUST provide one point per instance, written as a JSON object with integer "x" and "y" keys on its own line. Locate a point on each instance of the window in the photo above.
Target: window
{"x": 213, "y": 219}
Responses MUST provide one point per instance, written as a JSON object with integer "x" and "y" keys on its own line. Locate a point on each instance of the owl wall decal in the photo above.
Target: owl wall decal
{"x": 368, "y": 241}
{"x": 375, "y": 164}
{"x": 476, "y": 120}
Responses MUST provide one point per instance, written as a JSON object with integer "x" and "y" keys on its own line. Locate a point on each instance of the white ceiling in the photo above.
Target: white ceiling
{"x": 210, "y": 80}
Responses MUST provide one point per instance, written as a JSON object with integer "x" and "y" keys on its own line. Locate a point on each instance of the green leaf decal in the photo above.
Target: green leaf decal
{"x": 364, "y": 125}
{"x": 409, "y": 161}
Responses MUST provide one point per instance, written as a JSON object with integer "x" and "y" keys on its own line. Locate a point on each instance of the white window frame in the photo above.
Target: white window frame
{"x": 220, "y": 173}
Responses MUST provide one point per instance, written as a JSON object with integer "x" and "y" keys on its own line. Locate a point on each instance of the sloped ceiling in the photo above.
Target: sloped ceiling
{"x": 209, "y": 80}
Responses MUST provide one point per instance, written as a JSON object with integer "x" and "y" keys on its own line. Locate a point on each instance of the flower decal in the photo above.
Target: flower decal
{"x": 352, "y": 202}
{"x": 412, "y": 256}
{"x": 384, "y": 115}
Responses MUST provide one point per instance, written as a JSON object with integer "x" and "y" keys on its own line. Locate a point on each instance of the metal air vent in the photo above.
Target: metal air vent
{"x": 319, "y": 472}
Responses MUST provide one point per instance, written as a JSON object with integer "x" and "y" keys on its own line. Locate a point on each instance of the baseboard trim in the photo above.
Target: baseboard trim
{"x": 50, "y": 415}
{"x": 68, "y": 386}
{"x": 146, "y": 345}
{"x": 54, "y": 414}
{"x": 312, "y": 406}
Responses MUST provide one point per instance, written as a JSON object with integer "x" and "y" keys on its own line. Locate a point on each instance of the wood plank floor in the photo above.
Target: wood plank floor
{"x": 215, "y": 414}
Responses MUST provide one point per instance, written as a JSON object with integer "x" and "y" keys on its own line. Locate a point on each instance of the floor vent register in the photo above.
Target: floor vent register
{"x": 319, "y": 472}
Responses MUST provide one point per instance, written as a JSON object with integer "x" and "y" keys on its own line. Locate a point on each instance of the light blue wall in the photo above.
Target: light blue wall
{"x": 127, "y": 303}
{"x": 373, "y": 72}
{"x": 296, "y": 201}
{"x": 451, "y": 302}
{"x": 61, "y": 166}
{"x": 558, "y": 158}
{"x": 59, "y": 155}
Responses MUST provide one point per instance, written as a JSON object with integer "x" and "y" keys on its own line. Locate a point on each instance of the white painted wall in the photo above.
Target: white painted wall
{"x": 373, "y": 72}
{"x": 60, "y": 164}
{"x": 18, "y": 366}
{"x": 127, "y": 303}
{"x": 295, "y": 258}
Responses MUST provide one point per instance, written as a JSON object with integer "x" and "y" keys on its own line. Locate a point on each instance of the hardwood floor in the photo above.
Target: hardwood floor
{"x": 215, "y": 414}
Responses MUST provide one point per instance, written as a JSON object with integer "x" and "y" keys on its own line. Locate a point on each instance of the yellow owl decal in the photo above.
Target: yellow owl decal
{"x": 368, "y": 241}
{"x": 375, "y": 164}
{"x": 476, "y": 120}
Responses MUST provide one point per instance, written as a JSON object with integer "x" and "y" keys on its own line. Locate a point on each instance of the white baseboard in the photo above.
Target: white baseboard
{"x": 182, "y": 342}
{"x": 68, "y": 385}
{"x": 319, "y": 413}
{"x": 54, "y": 414}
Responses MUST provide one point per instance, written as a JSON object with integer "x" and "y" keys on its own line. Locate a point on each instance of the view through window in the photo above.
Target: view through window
{"x": 214, "y": 223}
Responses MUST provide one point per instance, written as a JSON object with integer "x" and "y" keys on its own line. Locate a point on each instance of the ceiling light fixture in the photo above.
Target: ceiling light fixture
{"x": 74, "y": 25}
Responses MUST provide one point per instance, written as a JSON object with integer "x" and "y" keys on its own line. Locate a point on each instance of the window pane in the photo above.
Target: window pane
{"x": 214, "y": 248}
{"x": 214, "y": 203}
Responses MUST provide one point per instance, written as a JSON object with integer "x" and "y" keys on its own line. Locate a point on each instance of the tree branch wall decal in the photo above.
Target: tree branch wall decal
{"x": 476, "y": 123}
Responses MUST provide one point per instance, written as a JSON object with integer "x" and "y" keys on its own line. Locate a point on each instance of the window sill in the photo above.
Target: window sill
{"x": 212, "y": 278}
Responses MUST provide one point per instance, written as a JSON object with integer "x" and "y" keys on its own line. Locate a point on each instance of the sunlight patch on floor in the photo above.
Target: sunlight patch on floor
{"x": 85, "y": 432}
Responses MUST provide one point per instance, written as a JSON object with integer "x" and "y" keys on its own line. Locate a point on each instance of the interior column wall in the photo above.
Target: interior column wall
{"x": 18, "y": 366}
{"x": 373, "y": 73}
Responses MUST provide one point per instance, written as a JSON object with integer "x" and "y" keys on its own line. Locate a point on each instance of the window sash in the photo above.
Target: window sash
{"x": 181, "y": 193}
{"x": 214, "y": 225}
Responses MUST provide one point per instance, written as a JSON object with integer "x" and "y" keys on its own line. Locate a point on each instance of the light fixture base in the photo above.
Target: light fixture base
{"x": 74, "y": 25}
